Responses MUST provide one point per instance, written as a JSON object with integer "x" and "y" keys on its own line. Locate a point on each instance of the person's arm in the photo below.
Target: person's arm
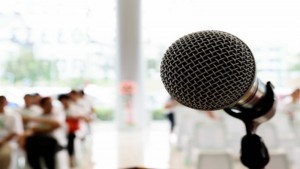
{"x": 50, "y": 124}
{"x": 212, "y": 115}
{"x": 15, "y": 129}
{"x": 80, "y": 113}
{"x": 171, "y": 103}
{"x": 86, "y": 118}
{"x": 7, "y": 138}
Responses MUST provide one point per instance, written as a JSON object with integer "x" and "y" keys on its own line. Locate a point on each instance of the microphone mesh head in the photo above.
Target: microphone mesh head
{"x": 208, "y": 70}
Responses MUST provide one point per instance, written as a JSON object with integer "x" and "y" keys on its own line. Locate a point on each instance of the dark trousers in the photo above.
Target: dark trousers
{"x": 71, "y": 146}
{"x": 171, "y": 117}
{"x": 41, "y": 147}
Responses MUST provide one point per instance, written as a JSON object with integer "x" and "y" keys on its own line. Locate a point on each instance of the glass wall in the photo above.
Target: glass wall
{"x": 72, "y": 44}
{"x": 54, "y": 46}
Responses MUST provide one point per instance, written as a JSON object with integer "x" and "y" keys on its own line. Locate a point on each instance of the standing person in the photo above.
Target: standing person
{"x": 293, "y": 106}
{"x": 10, "y": 129}
{"x": 86, "y": 102}
{"x": 47, "y": 137}
{"x": 170, "y": 112}
{"x": 88, "y": 107}
{"x": 73, "y": 118}
{"x": 83, "y": 109}
{"x": 30, "y": 109}
{"x": 35, "y": 104}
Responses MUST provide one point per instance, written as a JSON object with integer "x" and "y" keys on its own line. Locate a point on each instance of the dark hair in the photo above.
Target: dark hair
{"x": 73, "y": 92}
{"x": 81, "y": 92}
{"x": 2, "y": 98}
{"x": 63, "y": 96}
{"x": 44, "y": 100}
{"x": 35, "y": 94}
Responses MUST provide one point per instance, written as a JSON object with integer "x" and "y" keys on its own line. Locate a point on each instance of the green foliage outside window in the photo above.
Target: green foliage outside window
{"x": 107, "y": 114}
{"x": 26, "y": 68}
{"x": 158, "y": 114}
{"x": 104, "y": 114}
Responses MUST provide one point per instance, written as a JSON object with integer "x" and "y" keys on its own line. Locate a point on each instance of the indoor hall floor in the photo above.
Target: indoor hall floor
{"x": 148, "y": 148}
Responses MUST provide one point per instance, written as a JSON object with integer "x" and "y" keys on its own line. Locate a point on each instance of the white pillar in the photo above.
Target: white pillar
{"x": 130, "y": 112}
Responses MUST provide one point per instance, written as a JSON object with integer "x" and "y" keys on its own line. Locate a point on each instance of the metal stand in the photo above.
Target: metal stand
{"x": 254, "y": 153}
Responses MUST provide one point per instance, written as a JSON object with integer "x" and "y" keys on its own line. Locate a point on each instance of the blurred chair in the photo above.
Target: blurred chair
{"x": 211, "y": 135}
{"x": 217, "y": 160}
{"x": 62, "y": 160}
{"x": 269, "y": 134}
{"x": 235, "y": 130}
{"x": 185, "y": 130}
{"x": 207, "y": 137}
{"x": 278, "y": 161}
{"x": 296, "y": 129}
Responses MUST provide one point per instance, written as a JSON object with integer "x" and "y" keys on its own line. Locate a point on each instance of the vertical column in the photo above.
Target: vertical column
{"x": 130, "y": 113}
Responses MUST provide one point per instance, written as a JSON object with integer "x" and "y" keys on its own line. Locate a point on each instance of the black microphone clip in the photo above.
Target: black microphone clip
{"x": 259, "y": 113}
{"x": 254, "y": 153}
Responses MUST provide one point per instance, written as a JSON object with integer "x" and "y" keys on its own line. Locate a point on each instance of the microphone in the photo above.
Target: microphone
{"x": 212, "y": 70}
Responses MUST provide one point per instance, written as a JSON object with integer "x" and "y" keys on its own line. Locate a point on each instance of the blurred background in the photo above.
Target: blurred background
{"x": 113, "y": 49}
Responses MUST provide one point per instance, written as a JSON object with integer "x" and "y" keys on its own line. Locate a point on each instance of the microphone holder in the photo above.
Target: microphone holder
{"x": 254, "y": 153}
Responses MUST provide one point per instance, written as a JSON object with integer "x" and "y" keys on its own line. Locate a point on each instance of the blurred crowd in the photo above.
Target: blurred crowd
{"x": 44, "y": 127}
{"x": 40, "y": 129}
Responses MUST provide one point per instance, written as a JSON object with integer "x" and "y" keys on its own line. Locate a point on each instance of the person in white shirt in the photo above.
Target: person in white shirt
{"x": 292, "y": 108}
{"x": 29, "y": 110}
{"x": 10, "y": 128}
{"x": 73, "y": 118}
{"x": 47, "y": 137}
{"x": 86, "y": 102}
{"x": 84, "y": 110}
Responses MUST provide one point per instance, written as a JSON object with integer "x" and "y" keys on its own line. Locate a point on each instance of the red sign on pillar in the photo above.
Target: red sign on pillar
{"x": 127, "y": 90}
